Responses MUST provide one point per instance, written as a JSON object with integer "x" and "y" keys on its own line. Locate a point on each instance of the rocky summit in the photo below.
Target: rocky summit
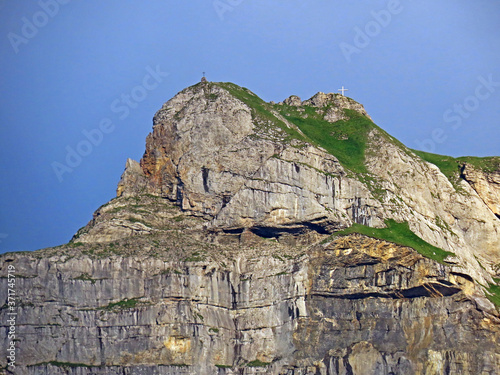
{"x": 285, "y": 238}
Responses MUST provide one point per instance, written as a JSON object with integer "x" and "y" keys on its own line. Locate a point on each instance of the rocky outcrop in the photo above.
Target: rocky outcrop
{"x": 221, "y": 253}
{"x": 486, "y": 184}
{"x": 133, "y": 181}
{"x": 330, "y": 106}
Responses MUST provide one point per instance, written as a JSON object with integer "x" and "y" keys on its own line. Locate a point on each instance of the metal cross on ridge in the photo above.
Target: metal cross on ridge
{"x": 343, "y": 90}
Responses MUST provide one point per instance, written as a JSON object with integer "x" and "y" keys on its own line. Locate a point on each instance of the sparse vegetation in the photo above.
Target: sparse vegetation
{"x": 258, "y": 363}
{"x": 85, "y": 277}
{"x": 197, "y": 256}
{"x": 443, "y": 225}
{"x": 400, "y": 234}
{"x": 493, "y": 294}
{"x": 124, "y": 304}
{"x": 199, "y": 316}
{"x": 262, "y": 114}
{"x": 451, "y": 166}
{"x": 136, "y": 220}
{"x": 276, "y": 256}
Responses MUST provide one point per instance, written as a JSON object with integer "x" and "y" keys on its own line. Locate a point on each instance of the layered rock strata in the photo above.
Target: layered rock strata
{"x": 353, "y": 305}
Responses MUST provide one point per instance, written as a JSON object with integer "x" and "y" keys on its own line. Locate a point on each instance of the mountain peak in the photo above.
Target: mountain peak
{"x": 247, "y": 226}
{"x": 222, "y": 154}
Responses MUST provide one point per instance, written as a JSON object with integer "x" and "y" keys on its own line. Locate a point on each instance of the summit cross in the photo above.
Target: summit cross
{"x": 343, "y": 90}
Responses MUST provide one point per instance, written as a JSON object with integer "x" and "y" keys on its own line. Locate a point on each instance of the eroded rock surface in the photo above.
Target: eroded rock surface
{"x": 486, "y": 184}
{"x": 353, "y": 305}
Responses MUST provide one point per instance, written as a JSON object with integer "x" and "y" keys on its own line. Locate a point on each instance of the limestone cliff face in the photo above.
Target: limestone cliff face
{"x": 353, "y": 305}
{"x": 219, "y": 254}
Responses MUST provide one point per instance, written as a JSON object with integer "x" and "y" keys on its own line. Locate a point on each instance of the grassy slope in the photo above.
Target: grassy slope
{"x": 345, "y": 139}
{"x": 261, "y": 111}
{"x": 401, "y": 234}
{"x": 493, "y": 294}
{"x": 450, "y": 166}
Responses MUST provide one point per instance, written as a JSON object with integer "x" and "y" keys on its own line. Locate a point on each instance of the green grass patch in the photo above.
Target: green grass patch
{"x": 448, "y": 165}
{"x": 135, "y": 220}
{"x": 486, "y": 164}
{"x": 223, "y": 366}
{"x": 199, "y": 316}
{"x": 258, "y": 363}
{"x": 124, "y": 304}
{"x": 214, "y": 330}
{"x": 493, "y": 294}
{"x": 85, "y": 277}
{"x": 400, "y": 234}
{"x": 345, "y": 139}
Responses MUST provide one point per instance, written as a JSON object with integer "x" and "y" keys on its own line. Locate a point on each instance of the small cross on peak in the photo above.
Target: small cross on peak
{"x": 343, "y": 90}
{"x": 204, "y": 79}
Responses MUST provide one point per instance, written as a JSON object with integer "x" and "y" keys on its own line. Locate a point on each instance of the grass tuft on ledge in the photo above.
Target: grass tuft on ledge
{"x": 258, "y": 363}
{"x": 401, "y": 234}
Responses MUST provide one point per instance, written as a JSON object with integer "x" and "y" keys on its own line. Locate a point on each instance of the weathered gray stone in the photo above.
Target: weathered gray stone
{"x": 354, "y": 305}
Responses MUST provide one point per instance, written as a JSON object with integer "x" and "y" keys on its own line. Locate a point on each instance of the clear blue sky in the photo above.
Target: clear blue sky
{"x": 72, "y": 66}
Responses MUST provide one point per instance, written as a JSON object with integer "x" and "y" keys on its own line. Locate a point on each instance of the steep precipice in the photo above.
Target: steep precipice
{"x": 289, "y": 238}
